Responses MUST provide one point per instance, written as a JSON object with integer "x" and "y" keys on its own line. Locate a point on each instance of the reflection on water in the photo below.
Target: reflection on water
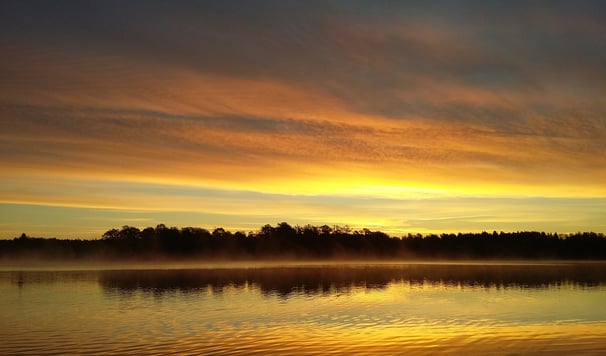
{"x": 338, "y": 309}
{"x": 342, "y": 279}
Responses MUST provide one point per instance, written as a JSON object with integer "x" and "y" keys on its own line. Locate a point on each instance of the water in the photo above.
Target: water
{"x": 335, "y": 309}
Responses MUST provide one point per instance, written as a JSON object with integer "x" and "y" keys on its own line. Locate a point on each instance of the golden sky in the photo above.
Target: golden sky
{"x": 428, "y": 117}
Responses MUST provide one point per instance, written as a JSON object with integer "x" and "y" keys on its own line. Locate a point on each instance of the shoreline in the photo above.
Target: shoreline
{"x": 99, "y": 265}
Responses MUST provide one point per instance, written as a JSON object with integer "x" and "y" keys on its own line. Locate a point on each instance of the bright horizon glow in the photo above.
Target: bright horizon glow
{"x": 396, "y": 117}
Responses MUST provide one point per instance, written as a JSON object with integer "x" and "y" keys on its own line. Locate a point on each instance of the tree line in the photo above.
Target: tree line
{"x": 284, "y": 241}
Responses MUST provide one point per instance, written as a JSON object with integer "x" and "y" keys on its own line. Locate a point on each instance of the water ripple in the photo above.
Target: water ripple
{"x": 91, "y": 313}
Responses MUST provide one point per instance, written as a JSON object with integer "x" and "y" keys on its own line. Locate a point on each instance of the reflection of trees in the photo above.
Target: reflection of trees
{"x": 327, "y": 280}
{"x": 309, "y": 242}
{"x": 280, "y": 281}
{"x": 27, "y": 278}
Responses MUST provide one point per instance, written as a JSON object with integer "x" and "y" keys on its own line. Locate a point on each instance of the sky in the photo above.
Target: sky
{"x": 399, "y": 116}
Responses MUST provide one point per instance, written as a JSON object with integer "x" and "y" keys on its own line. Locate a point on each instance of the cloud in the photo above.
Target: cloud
{"x": 241, "y": 210}
{"x": 239, "y": 151}
{"x": 304, "y": 98}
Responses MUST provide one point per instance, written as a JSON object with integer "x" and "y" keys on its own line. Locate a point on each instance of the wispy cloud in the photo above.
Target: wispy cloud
{"x": 302, "y": 98}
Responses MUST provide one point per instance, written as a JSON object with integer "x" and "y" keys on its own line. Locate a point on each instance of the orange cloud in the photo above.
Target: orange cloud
{"x": 344, "y": 106}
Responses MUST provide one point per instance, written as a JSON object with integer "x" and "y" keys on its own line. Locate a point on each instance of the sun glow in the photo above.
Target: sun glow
{"x": 332, "y": 124}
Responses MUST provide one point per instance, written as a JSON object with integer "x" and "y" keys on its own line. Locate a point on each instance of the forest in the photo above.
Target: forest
{"x": 284, "y": 241}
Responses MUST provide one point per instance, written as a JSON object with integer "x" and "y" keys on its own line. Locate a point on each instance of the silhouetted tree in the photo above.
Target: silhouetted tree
{"x": 312, "y": 242}
{"x": 113, "y": 234}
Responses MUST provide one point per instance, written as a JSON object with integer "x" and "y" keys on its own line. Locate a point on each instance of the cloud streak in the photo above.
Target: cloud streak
{"x": 373, "y": 99}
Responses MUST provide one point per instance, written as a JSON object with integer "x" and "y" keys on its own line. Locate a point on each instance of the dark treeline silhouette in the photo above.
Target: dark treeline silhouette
{"x": 284, "y": 241}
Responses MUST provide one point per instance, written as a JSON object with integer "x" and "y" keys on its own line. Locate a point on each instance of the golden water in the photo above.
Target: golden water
{"x": 342, "y": 309}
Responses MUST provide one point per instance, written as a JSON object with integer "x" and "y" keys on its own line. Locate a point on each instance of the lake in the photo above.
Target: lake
{"x": 306, "y": 309}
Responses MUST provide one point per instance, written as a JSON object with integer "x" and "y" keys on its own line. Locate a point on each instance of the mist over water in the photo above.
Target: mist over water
{"x": 307, "y": 309}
